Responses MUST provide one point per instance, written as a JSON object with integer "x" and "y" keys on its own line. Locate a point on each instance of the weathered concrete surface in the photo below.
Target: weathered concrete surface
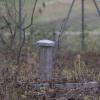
{"x": 45, "y": 59}
{"x": 87, "y": 85}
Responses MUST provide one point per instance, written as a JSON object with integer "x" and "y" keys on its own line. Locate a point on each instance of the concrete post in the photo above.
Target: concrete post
{"x": 45, "y": 59}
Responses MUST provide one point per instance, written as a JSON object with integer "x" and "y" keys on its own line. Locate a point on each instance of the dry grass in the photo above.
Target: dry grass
{"x": 65, "y": 71}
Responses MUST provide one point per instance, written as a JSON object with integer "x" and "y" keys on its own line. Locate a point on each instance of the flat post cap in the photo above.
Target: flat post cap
{"x": 45, "y": 42}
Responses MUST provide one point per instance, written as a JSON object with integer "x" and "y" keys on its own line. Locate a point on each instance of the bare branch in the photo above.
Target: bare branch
{"x": 8, "y": 24}
{"x": 33, "y": 11}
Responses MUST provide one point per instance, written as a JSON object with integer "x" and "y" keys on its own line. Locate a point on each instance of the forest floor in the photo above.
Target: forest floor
{"x": 65, "y": 63}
